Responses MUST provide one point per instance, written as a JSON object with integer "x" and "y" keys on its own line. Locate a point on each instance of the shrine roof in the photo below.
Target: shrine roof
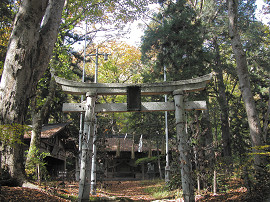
{"x": 48, "y": 130}
{"x": 126, "y": 144}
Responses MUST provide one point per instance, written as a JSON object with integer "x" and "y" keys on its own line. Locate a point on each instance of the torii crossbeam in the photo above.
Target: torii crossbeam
{"x": 176, "y": 88}
{"x": 81, "y": 88}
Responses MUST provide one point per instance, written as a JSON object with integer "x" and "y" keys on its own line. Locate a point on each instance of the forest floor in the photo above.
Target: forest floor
{"x": 116, "y": 191}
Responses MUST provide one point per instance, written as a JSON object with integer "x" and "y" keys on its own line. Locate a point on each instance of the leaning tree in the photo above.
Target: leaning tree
{"x": 245, "y": 87}
{"x": 28, "y": 55}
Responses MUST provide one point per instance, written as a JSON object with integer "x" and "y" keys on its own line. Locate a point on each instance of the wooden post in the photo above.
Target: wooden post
{"x": 94, "y": 163}
{"x": 38, "y": 174}
{"x": 183, "y": 147}
{"x": 215, "y": 182}
{"x": 87, "y": 142}
{"x": 143, "y": 176}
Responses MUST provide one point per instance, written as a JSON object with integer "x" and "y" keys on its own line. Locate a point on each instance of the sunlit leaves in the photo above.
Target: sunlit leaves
{"x": 11, "y": 134}
{"x": 123, "y": 64}
{"x": 37, "y": 160}
{"x": 6, "y": 18}
{"x": 261, "y": 150}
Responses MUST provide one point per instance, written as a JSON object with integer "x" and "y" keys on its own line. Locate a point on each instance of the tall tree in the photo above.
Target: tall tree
{"x": 245, "y": 86}
{"x": 28, "y": 55}
{"x": 174, "y": 39}
{"x": 223, "y": 103}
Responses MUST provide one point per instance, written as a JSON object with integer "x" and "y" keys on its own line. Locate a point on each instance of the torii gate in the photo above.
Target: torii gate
{"x": 133, "y": 92}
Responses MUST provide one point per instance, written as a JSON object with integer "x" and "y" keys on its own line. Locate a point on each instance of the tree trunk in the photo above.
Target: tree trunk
{"x": 38, "y": 119}
{"x": 159, "y": 163}
{"x": 222, "y": 100}
{"x": 28, "y": 55}
{"x": 266, "y": 120}
{"x": 132, "y": 149}
{"x": 206, "y": 159}
{"x": 198, "y": 148}
{"x": 245, "y": 87}
{"x": 198, "y": 184}
{"x": 35, "y": 137}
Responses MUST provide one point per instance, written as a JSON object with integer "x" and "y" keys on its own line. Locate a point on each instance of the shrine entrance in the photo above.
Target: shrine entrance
{"x": 134, "y": 93}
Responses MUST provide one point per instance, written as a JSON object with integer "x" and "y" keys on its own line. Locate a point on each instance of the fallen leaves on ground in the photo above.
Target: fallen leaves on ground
{"x": 131, "y": 190}
{"x": 239, "y": 194}
{"x": 22, "y": 194}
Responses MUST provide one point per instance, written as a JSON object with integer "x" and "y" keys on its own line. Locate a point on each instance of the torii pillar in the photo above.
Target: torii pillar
{"x": 87, "y": 145}
{"x": 183, "y": 146}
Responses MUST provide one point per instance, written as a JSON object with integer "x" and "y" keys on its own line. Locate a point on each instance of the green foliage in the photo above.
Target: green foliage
{"x": 1, "y": 67}
{"x": 175, "y": 172}
{"x": 71, "y": 198}
{"x": 159, "y": 190}
{"x": 146, "y": 160}
{"x": 150, "y": 125}
{"x": 123, "y": 66}
{"x": 174, "y": 39}
{"x": 6, "y": 18}
{"x": 11, "y": 134}
{"x": 37, "y": 159}
{"x": 224, "y": 175}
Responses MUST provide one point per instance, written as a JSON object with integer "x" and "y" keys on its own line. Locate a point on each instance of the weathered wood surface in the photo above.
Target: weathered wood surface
{"x": 184, "y": 148}
{"x": 86, "y": 152}
{"x": 82, "y": 88}
{"x": 122, "y": 107}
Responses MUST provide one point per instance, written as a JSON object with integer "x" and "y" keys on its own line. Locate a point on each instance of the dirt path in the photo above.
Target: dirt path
{"x": 128, "y": 189}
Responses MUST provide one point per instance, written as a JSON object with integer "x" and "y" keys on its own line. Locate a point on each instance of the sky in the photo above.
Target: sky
{"x": 260, "y": 16}
{"x": 136, "y": 32}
